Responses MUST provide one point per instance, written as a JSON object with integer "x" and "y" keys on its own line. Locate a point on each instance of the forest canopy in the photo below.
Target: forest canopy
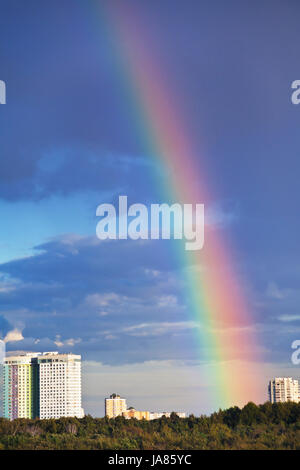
{"x": 267, "y": 426}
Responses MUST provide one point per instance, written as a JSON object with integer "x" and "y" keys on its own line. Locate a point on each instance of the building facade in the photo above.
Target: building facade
{"x": 21, "y": 387}
{"x": 115, "y": 406}
{"x": 133, "y": 413}
{"x": 59, "y": 385}
{"x": 283, "y": 389}
{"x": 44, "y": 385}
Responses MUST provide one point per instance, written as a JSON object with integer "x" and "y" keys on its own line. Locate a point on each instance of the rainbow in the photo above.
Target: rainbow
{"x": 214, "y": 289}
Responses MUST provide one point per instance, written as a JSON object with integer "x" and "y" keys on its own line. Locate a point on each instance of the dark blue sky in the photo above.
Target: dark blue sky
{"x": 70, "y": 141}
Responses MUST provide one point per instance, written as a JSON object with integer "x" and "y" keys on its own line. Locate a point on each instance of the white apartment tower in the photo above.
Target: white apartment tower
{"x": 115, "y": 406}
{"x": 59, "y": 385}
{"x": 283, "y": 389}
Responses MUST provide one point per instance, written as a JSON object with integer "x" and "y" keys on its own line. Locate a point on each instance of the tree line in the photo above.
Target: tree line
{"x": 267, "y": 426}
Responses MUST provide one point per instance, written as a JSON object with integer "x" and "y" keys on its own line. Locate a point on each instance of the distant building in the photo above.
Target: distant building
{"x": 133, "y": 413}
{"x": 42, "y": 385}
{"x": 283, "y": 389}
{"x": 115, "y": 406}
{"x": 167, "y": 414}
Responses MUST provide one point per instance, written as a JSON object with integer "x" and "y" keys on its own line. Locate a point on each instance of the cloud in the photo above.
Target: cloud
{"x": 104, "y": 300}
{"x": 152, "y": 272}
{"x": 6, "y": 288}
{"x": 289, "y": 318}
{"x": 150, "y": 329}
{"x": 76, "y": 293}
{"x": 67, "y": 342}
{"x": 76, "y": 287}
{"x": 274, "y": 292}
{"x": 167, "y": 301}
{"x": 110, "y": 337}
{"x": 79, "y": 168}
{"x": 13, "y": 336}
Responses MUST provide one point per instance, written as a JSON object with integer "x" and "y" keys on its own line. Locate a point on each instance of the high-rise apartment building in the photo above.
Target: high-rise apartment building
{"x": 21, "y": 387}
{"x": 46, "y": 385}
{"x": 59, "y": 385}
{"x": 115, "y": 406}
{"x": 283, "y": 389}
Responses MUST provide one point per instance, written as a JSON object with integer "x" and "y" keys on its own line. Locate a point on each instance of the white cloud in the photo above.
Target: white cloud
{"x": 111, "y": 303}
{"x": 67, "y": 342}
{"x": 167, "y": 301}
{"x": 58, "y": 342}
{"x": 72, "y": 341}
{"x": 104, "y": 300}
{"x": 5, "y": 288}
{"x": 103, "y": 313}
{"x": 159, "y": 328}
{"x": 152, "y": 272}
{"x": 110, "y": 337}
{"x": 13, "y": 335}
{"x": 289, "y": 318}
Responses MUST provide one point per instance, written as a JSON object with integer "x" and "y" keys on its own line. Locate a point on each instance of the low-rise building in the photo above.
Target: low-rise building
{"x": 116, "y": 406}
{"x": 167, "y": 414}
{"x": 133, "y": 413}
